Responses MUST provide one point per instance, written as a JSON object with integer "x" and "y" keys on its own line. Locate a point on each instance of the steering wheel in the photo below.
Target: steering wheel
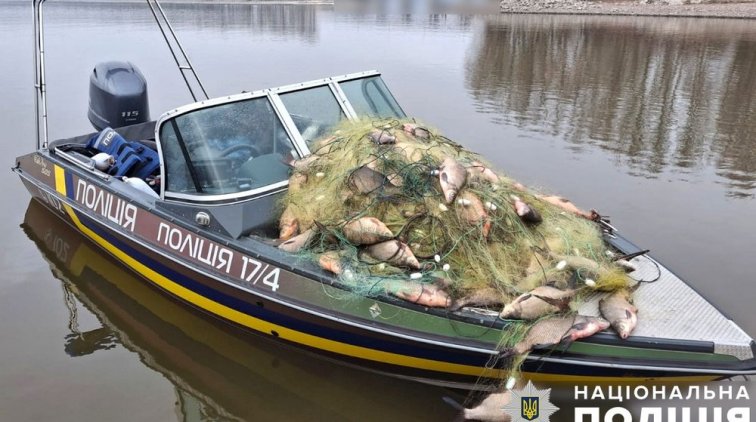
{"x": 250, "y": 150}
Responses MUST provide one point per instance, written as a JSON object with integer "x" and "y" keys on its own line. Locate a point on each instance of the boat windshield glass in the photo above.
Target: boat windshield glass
{"x": 225, "y": 149}
{"x": 314, "y": 111}
{"x": 370, "y": 97}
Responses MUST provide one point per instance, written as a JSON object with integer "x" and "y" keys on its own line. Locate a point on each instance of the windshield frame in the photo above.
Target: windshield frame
{"x": 272, "y": 94}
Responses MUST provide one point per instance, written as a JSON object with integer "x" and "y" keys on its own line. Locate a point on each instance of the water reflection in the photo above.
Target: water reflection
{"x": 218, "y": 372}
{"x": 290, "y": 20}
{"x": 659, "y": 94}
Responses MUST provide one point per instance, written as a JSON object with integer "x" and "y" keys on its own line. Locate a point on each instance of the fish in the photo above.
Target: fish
{"x": 288, "y": 225}
{"x": 429, "y": 295}
{"x": 303, "y": 163}
{"x": 413, "y": 151}
{"x": 416, "y": 130}
{"x": 322, "y": 144}
{"x": 472, "y": 211}
{"x": 491, "y": 409}
{"x": 488, "y": 296}
{"x": 296, "y": 243}
{"x": 366, "y": 180}
{"x": 395, "y": 179}
{"x": 393, "y": 252}
{"x": 618, "y": 308}
{"x": 366, "y": 231}
{"x": 525, "y": 211}
{"x": 297, "y": 181}
{"x": 556, "y": 330}
{"x": 538, "y": 302}
{"x": 568, "y": 206}
{"x": 452, "y": 177}
{"x": 382, "y": 137}
{"x": 478, "y": 171}
{"x": 346, "y": 195}
{"x": 331, "y": 261}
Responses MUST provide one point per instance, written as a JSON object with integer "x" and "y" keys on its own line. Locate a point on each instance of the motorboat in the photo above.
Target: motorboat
{"x": 189, "y": 203}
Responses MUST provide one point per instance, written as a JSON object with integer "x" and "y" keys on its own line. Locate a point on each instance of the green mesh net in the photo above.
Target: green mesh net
{"x": 476, "y": 242}
{"x": 479, "y": 249}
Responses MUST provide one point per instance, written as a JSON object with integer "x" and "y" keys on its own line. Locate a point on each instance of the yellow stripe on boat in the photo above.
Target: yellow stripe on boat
{"x": 265, "y": 326}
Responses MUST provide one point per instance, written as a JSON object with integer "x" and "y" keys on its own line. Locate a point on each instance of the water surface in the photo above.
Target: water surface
{"x": 649, "y": 120}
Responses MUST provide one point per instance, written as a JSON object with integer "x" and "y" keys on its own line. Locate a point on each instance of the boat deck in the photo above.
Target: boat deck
{"x": 670, "y": 309}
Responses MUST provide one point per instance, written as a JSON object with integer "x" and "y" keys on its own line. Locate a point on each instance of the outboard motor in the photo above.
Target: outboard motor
{"x": 117, "y": 95}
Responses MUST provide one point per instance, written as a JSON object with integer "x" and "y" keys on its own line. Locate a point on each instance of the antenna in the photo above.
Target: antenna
{"x": 40, "y": 86}
{"x": 40, "y": 97}
{"x": 180, "y": 57}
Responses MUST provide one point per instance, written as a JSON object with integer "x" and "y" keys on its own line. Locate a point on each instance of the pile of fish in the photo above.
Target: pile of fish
{"x": 394, "y": 206}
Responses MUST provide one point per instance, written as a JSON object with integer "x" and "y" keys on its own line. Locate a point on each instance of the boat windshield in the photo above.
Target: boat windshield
{"x": 226, "y": 149}
{"x": 313, "y": 110}
{"x": 241, "y": 145}
{"x": 371, "y": 98}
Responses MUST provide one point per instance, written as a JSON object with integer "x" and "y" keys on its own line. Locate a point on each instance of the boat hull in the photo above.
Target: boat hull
{"x": 279, "y": 303}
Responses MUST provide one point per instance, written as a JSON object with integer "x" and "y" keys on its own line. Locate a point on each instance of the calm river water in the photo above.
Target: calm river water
{"x": 649, "y": 120}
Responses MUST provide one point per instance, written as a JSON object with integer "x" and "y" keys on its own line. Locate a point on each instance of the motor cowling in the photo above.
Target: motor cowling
{"x": 117, "y": 95}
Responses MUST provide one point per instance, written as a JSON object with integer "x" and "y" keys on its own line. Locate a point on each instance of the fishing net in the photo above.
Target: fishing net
{"x": 493, "y": 241}
{"x": 470, "y": 246}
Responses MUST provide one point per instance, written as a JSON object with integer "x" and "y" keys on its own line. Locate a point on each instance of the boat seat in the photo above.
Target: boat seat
{"x": 132, "y": 159}
{"x": 265, "y": 170}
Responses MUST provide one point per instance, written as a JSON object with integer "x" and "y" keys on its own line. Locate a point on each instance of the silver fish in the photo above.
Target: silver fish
{"x": 366, "y": 180}
{"x": 488, "y": 296}
{"x": 429, "y": 295}
{"x": 393, "y": 252}
{"x": 525, "y": 211}
{"x": 416, "y": 130}
{"x": 297, "y": 181}
{"x": 296, "y": 243}
{"x": 538, "y": 302}
{"x": 288, "y": 224}
{"x": 491, "y": 409}
{"x": 568, "y": 206}
{"x": 303, "y": 163}
{"x": 382, "y": 137}
{"x": 618, "y": 308}
{"x": 452, "y": 177}
{"x": 479, "y": 171}
{"x": 366, "y": 231}
{"x": 331, "y": 261}
{"x": 473, "y": 211}
{"x": 552, "y": 331}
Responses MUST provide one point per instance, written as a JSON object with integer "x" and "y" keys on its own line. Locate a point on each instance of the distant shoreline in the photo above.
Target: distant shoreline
{"x": 254, "y": 2}
{"x": 745, "y": 10}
